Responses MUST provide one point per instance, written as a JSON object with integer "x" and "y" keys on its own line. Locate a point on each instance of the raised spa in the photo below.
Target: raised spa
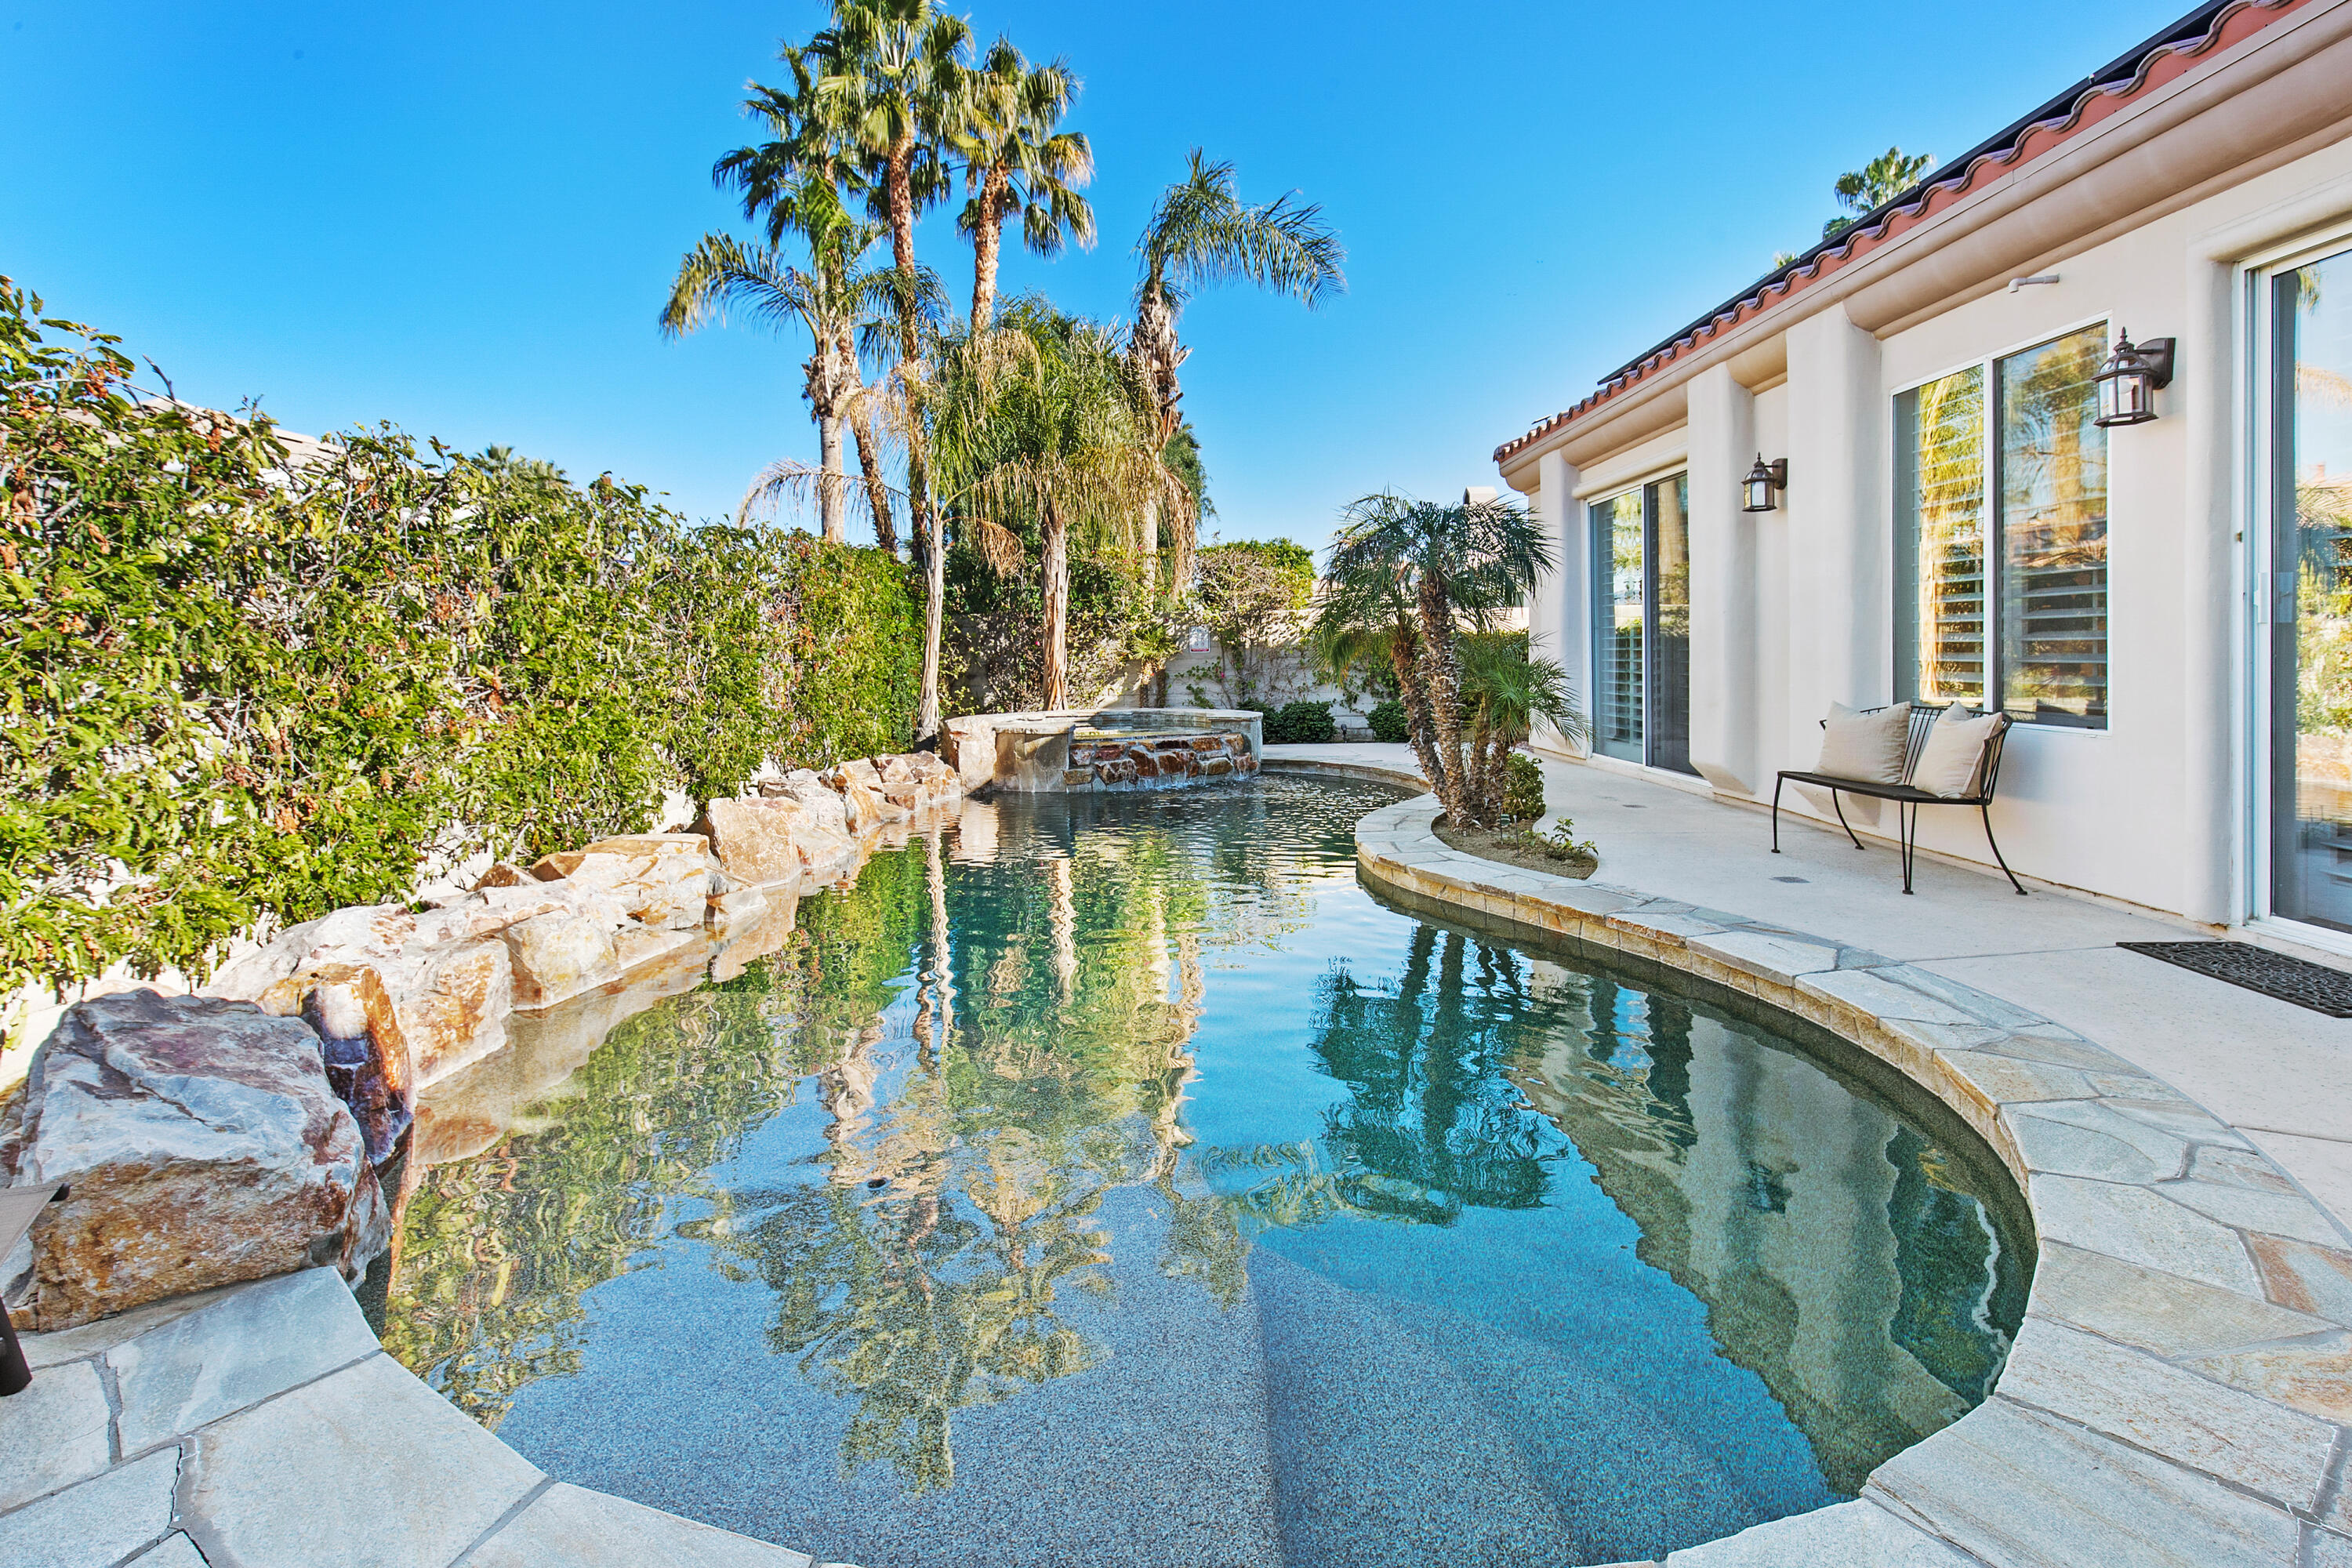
{"x": 1112, "y": 1180}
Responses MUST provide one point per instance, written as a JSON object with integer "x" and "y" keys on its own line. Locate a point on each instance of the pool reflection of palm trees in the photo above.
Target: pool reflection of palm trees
{"x": 945, "y": 1246}
{"x": 924, "y": 1276}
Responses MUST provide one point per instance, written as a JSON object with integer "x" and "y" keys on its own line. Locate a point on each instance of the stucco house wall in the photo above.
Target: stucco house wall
{"x": 2146, "y": 211}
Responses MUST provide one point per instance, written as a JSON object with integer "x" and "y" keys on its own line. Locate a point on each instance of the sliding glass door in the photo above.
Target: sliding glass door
{"x": 2302, "y": 601}
{"x": 1640, "y": 625}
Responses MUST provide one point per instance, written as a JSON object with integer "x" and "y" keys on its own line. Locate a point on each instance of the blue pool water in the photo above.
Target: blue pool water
{"x": 1118, "y": 1182}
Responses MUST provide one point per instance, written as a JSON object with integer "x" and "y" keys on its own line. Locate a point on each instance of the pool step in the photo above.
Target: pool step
{"x": 1405, "y": 1432}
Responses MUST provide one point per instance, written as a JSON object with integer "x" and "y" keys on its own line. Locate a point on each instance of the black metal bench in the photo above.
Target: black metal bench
{"x": 1907, "y": 800}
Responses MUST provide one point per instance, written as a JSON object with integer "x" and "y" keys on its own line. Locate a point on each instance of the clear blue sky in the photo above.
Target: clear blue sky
{"x": 461, "y": 218}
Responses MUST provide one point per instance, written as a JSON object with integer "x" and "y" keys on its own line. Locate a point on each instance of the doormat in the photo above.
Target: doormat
{"x": 2312, "y": 986}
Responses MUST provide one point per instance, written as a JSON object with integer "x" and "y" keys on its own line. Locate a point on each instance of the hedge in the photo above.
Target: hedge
{"x": 244, "y": 679}
{"x": 1299, "y": 724}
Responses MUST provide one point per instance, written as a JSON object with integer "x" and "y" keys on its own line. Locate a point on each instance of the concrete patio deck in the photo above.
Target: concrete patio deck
{"x": 2279, "y": 1073}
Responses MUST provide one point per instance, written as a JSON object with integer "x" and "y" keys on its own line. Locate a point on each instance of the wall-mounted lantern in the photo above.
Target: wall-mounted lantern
{"x": 2127, "y": 382}
{"x": 1762, "y": 481}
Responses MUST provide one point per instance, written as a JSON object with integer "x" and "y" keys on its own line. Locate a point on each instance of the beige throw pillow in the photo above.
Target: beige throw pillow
{"x": 1952, "y": 757}
{"x": 1865, "y": 746}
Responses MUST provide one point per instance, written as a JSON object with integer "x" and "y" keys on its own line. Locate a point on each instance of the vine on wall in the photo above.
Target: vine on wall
{"x": 244, "y": 676}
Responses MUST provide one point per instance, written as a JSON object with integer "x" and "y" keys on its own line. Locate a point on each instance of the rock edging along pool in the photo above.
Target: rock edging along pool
{"x": 2179, "y": 1389}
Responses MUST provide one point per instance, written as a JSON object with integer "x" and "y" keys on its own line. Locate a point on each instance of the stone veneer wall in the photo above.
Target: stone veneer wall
{"x": 1149, "y": 762}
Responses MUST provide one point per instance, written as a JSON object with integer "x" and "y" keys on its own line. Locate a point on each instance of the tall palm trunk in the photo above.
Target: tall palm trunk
{"x": 1403, "y": 664}
{"x": 1057, "y": 551}
{"x": 926, "y": 722}
{"x": 862, "y": 426}
{"x": 899, "y": 192}
{"x": 987, "y": 241}
{"x": 1157, "y": 353}
{"x": 1444, "y": 676}
{"x": 831, "y": 481}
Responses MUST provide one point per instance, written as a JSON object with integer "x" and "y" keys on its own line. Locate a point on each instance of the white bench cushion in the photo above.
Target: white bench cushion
{"x": 1954, "y": 753}
{"x": 1865, "y": 746}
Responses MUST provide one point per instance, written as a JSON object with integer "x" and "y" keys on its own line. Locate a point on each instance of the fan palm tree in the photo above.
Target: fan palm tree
{"x": 877, "y": 98}
{"x": 1366, "y": 617}
{"x": 830, "y": 302}
{"x": 796, "y": 181}
{"x": 1044, "y": 418}
{"x": 1017, "y": 163}
{"x": 893, "y": 86}
{"x": 1463, "y": 563}
{"x": 1507, "y": 692}
{"x": 1201, "y": 234}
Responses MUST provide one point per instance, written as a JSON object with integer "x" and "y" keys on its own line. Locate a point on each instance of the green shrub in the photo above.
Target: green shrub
{"x": 1389, "y": 722}
{"x": 244, "y": 682}
{"x": 1299, "y": 723}
{"x": 1523, "y": 795}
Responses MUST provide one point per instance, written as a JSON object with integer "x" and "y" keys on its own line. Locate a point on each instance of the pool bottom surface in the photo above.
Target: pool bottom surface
{"x": 1169, "y": 1200}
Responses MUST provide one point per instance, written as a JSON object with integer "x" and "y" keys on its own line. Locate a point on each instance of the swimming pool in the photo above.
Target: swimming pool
{"x": 1113, "y": 1179}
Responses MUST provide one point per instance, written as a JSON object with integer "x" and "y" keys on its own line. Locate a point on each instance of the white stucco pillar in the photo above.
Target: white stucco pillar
{"x": 1841, "y": 616}
{"x": 1724, "y": 699}
{"x": 2202, "y": 391}
{"x": 1558, "y": 625}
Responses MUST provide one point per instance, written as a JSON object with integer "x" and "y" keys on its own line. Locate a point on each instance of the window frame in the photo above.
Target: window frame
{"x": 1600, "y": 577}
{"x": 2253, "y": 457}
{"x": 1995, "y": 541}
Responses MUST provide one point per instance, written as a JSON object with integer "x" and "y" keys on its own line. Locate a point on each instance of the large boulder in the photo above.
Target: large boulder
{"x": 752, "y": 838}
{"x": 862, "y": 800}
{"x": 919, "y": 782}
{"x": 823, "y": 802}
{"x": 203, "y": 1146}
{"x": 446, "y": 971}
{"x": 661, "y": 879}
{"x": 557, "y": 955}
{"x": 819, "y": 823}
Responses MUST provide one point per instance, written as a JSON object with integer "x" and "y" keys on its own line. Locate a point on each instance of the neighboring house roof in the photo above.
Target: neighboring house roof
{"x": 2163, "y": 58}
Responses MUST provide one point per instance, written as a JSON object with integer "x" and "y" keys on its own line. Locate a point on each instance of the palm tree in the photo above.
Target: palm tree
{"x": 1506, "y": 692}
{"x": 1044, "y": 418}
{"x": 1200, "y": 233}
{"x": 829, "y": 301}
{"x": 1462, "y": 561}
{"x": 1366, "y": 618}
{"x": 1017, "y": 163}
{"x": 1880, "y": 181}
{"x": 797, "y": 180}
{"x": 892, "y": 86}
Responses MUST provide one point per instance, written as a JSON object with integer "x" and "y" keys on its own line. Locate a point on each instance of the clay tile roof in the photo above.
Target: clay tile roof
{"x": 2161, "y": 59}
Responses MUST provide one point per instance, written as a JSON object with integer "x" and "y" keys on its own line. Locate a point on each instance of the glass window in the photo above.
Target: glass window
{"x": 1939, "y": 535}
{"x": 2306, "y": 597}
{"x": 2014, "y": 602}
{"x": 1640, "y": 625}
{"x": 2053, "y": 525}
{"x": 1619, "y": 592}
{"x": 1669, "y": 508}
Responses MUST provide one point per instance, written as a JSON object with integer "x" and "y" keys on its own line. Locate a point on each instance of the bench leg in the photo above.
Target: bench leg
{"x": 16, "y": 1376}
{"x": 1838, "y": 806}
{"x": 1986, "y": 811}
{"x": 1776, "y": 812}
{"x": 1908, "y": 833}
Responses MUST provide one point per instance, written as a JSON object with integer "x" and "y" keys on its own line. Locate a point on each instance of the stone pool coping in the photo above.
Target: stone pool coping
{"x": 262, "y": 1426}
{"x": 2178, "y": 1394}
{"x": 2180, "y": 1388}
